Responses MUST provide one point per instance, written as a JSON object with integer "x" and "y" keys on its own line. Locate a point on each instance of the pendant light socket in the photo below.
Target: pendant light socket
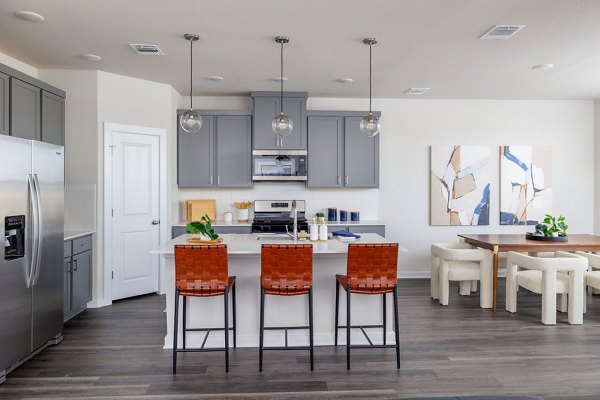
{"x": 282, "y": 124}
{"x": 369, "y": 124}
{"x": 191, "y": 121}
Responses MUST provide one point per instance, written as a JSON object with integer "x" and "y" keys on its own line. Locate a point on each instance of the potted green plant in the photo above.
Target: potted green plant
{"x": 321, "y": 218}
{"x": 203, "y": 228}
{"x": 553, "y": 227}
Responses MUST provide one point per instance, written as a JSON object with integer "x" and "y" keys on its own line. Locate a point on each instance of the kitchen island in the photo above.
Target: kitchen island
{"x": 244, "y": 262}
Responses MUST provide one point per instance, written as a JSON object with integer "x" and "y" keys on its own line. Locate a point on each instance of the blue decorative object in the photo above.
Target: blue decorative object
{"x": 332, "y": 214}
{"x": 343, "y": 215}
{"x": 355, "y": 216}
{"x": 345, "y": 234}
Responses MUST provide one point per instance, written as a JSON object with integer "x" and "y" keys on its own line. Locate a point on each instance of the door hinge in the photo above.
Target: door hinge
{"x": 112, "y": 149}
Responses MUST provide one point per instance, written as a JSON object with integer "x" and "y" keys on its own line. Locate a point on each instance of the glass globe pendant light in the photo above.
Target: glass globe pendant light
{"x": 282, "y": 124}
{"x": 190, "y": 121}
{"x": 369, "y": 124}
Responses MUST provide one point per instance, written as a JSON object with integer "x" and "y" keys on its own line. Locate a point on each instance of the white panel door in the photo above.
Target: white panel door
{"x": 135, "y": 208}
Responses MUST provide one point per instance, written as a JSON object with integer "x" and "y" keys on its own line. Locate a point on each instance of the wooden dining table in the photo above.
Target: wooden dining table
{"x": 517, "y": 242}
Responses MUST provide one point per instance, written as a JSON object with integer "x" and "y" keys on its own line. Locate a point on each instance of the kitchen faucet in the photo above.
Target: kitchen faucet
{"x": 294, "y": 214}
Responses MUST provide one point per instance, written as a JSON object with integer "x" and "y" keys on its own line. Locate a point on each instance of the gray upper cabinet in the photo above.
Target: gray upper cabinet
{"x": 25, "y": 114}
{"x": 234, "y": 151}
{"x": 195, "y": 155}
{"x": 4, "y": 104}
{"x": 361, "y": 165}
{"x": 266, "y": 106}
{"x": 325, "y": 152}
{"x": 53, "y": 118}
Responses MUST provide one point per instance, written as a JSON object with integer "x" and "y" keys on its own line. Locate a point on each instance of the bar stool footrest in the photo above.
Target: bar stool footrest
{"x": 362, "y": 329}
{"x": 285, "y": 328}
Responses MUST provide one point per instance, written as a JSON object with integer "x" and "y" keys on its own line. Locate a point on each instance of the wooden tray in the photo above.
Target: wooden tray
{"x": 531, "y": 236}
{"x": 197, "y": 240}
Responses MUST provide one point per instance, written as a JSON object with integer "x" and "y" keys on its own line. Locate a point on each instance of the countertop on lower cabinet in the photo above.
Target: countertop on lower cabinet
{"x": 218, "y": 223}
{"x": 74, "y": 234}
{"x": 356, "y": 223}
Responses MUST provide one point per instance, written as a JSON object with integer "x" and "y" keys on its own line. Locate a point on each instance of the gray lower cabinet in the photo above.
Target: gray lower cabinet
{"x": 340, "y": 155}
{"x": 378, "y": 229}
{"x": 4, "y": 104}
{"x": 266, "y": 107}
{"x": 53, "y": 118}
{"x": 25, "y": 113}
{"x": 325, "y": 152}
{"x": 220, "y": 155}
{"x": 195, "y": 156}
{"x": 77, "y": 276}
{"x": 219, "y": 230}
{"x": 234, "y": 151}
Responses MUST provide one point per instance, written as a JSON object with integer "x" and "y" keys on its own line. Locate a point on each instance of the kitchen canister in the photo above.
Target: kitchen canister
{"x": 242, "y": 214}
{"x": 332, "y": 214}
{"x": 322, "y": 232}
{"x": 227, "y": 216}
{"x": 343, "y": 215}
{"x": 314, "y": 232}
{"x": 355, "y": 216}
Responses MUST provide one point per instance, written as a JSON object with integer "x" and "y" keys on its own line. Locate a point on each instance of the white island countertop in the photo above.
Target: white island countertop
{"x": 330, "y": 223}
{"x": 251, "y": 244}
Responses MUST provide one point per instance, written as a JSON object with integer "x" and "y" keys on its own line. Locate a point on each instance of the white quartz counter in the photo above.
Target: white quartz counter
{"x": 245, "y": 244}
{"x": 330, "y": 223}
{"x": 218, "y": 223}
{"x": 74, "y": 234}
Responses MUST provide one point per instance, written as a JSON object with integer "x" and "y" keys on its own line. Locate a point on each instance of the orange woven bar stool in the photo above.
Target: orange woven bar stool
{"x": 202, "y": 271}
{"x": 372, "y": 269}
{"x": 286, "y": 270}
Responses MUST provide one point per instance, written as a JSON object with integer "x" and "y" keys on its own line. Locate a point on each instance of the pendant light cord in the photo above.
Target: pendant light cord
{"x": 370, "y": 76}
{"x": 281, "y": 78}
{"x": 191, "y": 70}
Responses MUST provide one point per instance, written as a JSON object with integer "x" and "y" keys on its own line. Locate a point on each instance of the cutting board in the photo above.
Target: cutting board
{"x": 196, "y": 209}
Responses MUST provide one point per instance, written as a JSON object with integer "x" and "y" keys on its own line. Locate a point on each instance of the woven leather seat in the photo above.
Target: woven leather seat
{"x": 202, "y": 271}
{"x": 372, "y": 269}
{"x": 286, "y": 270}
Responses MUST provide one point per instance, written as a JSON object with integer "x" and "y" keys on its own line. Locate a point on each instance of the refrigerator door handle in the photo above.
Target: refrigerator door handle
{"x": 40, "y": 218}
{"x": 34, "y": 228}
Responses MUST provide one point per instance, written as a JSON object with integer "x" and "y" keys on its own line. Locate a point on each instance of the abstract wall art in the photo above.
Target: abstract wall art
{"x": 460, "y": 185}
{"x": 525, "y": 184}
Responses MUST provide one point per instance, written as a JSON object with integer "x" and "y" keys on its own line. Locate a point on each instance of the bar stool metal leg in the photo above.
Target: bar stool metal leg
{"x": 384, "y": 319}
{"x": 226, "y": 297}
{"x": 348, "y": 329}
{"x": 234, "y": 317}
{"x": 184, "y": 319}
{"x": 262, "y": 329}
{"x": 175, "y": 324}
{"x": 337, "y": 309}
{"x": 310, "y": 327}
{"x": 396, "y": 326}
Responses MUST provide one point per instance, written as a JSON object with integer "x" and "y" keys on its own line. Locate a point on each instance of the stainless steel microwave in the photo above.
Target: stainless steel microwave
{"x": 279, "y": 165}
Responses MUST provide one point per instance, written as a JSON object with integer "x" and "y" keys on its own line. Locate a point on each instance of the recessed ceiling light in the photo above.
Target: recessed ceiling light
{"x": 279, "y": 79}
{"x": 417, "y": 91}
{"x": 345, "y": 80}
{"x": 543, "y": 67}
{"x": 91, "y": 57}
{"x": 29, "y": 16}
{"x": 215, "y": 78}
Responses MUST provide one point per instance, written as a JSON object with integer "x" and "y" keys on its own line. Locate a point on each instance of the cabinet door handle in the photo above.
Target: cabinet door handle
{"x": 218, "y": 179}
{"x": 75, "y": 263}
{"x": 346, "y": 180}
{"x": 339, "y": 180}
{"x": 211, "y": 180}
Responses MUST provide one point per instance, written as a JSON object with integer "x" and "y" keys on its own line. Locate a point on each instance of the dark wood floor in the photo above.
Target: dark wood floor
{"x": 456, "y": 350}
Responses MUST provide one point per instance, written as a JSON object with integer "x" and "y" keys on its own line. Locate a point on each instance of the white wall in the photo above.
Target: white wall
{"x": 597, "y": 167}
{"x": 18, "y": 65}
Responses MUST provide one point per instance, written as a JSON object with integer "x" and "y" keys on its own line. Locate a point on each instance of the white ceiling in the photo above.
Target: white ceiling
{"x": 422, "y": 43}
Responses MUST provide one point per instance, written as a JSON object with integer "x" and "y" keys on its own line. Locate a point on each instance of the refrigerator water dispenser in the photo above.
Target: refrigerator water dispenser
{"x": 14, "y": 237}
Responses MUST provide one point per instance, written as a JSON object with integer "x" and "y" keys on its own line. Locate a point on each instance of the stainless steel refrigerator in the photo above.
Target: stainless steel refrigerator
{"x": 31, "y": 267}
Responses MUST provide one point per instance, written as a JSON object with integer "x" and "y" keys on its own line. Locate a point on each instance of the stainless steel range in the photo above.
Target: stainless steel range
{"x": 273, "y": 216}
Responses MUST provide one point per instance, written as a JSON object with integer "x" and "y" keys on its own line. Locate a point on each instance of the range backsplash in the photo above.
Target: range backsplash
{"x": 366, "y": 201}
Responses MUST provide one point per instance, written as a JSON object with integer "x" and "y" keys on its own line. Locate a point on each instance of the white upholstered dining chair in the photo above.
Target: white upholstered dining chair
{"x": 461, "y": 262}
{"x": 562, "y": 274}
{"x": 592, "y": 276}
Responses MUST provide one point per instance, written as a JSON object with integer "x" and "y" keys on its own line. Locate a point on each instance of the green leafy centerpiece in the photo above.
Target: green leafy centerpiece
{"x": 551, "y": 229}
{"x": 203, "y": 228}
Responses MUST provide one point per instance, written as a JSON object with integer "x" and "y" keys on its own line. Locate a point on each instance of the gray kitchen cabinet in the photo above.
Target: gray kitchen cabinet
{"x": 325, "y": 152}
{"x": 4, "y": 104}
{"x": 53, "y": 118}
{"x": 361, "y": 156}
{"x": 77, "y": 275}
{"x": 266, "y": 106}
{"x": 179, "y": 230}
{"x": 195, "y": 152}
{"x": 25, "y": 113}
{"x": 234, "y": 151}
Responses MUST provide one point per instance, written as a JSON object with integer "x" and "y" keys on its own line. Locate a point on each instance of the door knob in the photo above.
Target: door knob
{"x": 155, "y": 222}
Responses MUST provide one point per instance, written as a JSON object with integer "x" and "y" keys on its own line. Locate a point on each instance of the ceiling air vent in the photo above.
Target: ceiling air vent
{"x": 147, "y": 49}
{"x": 417, "y": 90}
{"x": 502, "y": 32}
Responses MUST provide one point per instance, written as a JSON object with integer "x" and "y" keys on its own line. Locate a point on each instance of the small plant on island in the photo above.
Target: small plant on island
{"x": 552, "y": 227}
{"x": 203, "y": 228}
